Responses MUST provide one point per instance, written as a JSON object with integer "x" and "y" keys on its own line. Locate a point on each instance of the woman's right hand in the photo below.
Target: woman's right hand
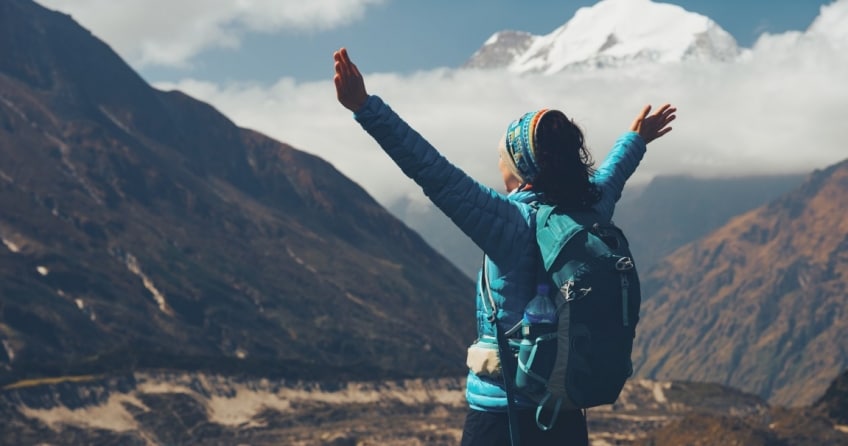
{"x": 350, "y": 87}
{"x": 653, "y": 126}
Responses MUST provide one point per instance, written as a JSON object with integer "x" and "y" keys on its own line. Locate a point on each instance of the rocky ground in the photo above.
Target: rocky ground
{"x": 182, "y": 409}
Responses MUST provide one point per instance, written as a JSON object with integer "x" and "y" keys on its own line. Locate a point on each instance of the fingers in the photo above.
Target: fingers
{"x": 345, "y": 67}
{"x": 663, "y": 109}
{"x": 645, "y": 111}
{"x": 354, "y": 71}
{"x": 342, "y": 62}
{"x": 666, "y": 111}
{"x": 637, "y": 123}
{"x": 338, "y": 66}
{"x": 340, "y": 79}
{"x": 664, "y": 116}
{"x": 339, "y": 62}
{"x": 349, "y": 66}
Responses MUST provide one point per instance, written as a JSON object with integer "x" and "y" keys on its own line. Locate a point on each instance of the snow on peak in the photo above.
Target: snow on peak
{"x": 501, "y": 49}
{"x": 611, "y": 33}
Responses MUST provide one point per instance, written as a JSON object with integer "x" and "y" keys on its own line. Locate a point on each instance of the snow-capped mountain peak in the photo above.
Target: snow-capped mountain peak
{"x": 611, "y": 33}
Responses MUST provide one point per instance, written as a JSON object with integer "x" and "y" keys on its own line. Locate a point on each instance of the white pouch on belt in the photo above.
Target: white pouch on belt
{"x": 483, "y": 359}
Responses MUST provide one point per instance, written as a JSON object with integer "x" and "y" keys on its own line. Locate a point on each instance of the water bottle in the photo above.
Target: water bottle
{"x": 522, "y": 381}
{"x": 539, "y": 319}
{"x": 539, "y": 314}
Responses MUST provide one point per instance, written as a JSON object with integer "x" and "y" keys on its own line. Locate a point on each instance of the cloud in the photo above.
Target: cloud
{"x": 831, "y": 22}
{"x": 779, "y": 109}
{"x": 172, "y": 32}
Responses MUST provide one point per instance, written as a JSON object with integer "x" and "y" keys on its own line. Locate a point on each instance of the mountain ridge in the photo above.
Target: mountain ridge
{"x": 760, "y": 297}
{"x": 143, "y": 229}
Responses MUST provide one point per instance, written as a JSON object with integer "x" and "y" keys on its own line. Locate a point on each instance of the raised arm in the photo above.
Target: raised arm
{"x": 482, "y": 213}
{"x": 627, "y": 152}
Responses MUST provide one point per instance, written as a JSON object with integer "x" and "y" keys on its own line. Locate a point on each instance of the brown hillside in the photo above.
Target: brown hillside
{"x": 759, "y": 304}
{"x": 142, "y": 229}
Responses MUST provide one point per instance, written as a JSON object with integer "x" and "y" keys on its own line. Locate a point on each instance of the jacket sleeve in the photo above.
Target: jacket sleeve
{"x": 493, "y": 221}
{"x": 619, "y": 164}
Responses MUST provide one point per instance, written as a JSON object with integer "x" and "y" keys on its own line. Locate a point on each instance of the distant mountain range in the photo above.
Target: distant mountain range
{"x": 610, "y": 33}
{"x": 658, "y": 218}
{"x": 142, "y": 229}
{"x": 672, "y": 211}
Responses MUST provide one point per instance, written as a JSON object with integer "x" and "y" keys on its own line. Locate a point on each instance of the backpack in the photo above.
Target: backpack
{"x": 584, "y": 360}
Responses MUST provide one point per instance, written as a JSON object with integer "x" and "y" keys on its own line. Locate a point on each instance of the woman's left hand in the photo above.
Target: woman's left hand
{"x": 350, "y": 87}
{"x": 656, "y": 125}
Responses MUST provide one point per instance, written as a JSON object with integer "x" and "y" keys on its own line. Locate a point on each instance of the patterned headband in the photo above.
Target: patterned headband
{"x": 521, "y": 144}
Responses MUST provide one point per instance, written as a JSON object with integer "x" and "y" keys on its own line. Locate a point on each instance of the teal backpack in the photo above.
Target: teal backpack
{"x": 584, "y": 360}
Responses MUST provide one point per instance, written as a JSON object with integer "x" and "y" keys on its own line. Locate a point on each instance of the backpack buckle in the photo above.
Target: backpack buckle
{"x": 571, "y": 294}
{"x": 624, "y": 264}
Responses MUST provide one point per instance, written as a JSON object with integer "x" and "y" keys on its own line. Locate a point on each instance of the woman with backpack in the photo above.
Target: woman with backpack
{"x": 542, "y": 159}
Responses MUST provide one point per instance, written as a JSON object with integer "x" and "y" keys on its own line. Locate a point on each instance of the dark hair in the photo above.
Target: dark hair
{"x": 565, "y": 165}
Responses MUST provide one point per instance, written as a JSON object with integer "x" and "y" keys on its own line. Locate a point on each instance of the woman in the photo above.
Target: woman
{"x": 542, "y": 158}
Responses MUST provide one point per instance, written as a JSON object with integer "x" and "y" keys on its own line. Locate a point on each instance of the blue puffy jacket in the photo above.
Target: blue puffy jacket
{"x": 503, "y": 226}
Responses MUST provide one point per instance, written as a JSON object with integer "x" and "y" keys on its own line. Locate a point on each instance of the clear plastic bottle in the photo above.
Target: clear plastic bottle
{"x": 537, "y": 327}
{"x": 540, "y": 309}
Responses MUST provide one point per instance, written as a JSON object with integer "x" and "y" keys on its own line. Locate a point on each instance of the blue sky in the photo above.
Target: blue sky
{"x": 408, "y": 35}
{"x": 399, "y": 36}
{"x": 267, "y": 65}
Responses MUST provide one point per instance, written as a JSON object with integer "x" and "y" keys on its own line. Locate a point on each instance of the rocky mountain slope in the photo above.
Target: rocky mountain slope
{"x": 758, "y": 304}
{"x": 142, "y": 229}
{"x": 610, "y": 33}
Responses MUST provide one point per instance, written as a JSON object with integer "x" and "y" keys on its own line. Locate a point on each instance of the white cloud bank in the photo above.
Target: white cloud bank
{"x": 779, "y": 109}
{"x": 171, "y": 33}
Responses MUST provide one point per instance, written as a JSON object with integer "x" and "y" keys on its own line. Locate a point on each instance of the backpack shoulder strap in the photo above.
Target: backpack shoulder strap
{"x": 508, "y": 364}
{"x": 553, "y": 231}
